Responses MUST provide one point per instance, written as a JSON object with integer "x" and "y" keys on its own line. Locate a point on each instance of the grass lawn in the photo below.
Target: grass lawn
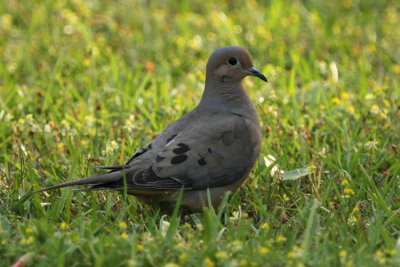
{"x": 86, "y": 83}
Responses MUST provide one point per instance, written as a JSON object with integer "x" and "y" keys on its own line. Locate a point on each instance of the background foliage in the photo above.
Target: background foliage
{"x": 84, "y": 83}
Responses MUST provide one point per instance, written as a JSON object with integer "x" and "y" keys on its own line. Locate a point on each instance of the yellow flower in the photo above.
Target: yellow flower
{"x": 374, "y": 109}
{"x": 345, "y": 182}
{"x": 30, "y": 240}
{"x": 221, "y": 255}
{"x": 265, "y": 226}
{"x": 65, "y": 124}
{"x": 296, "y": 58}
{"x": 6, "y": 21}
{"x": 356, "y": 210}
{"x": 280, "y": 238}
{"x": 291, "y": 255}
{"x": 336, "y": 100}
{"x": 264, "y": 250}
{"x": 60, "y": 147}
{"x": 139, "y": 247}
{"x": 171, "y": 264}
{"x": 311, "y": 167}
{"x": 27, "y": 241}
{"x": 131, "y": 262}
{"x": 29, "y": 230}
{"x": 180, "y": 245}
{"x": 243, "y": 263}
{"x": 64, "y": 226}
{"x": 371, "y": 48}
{"x": 124, "y": 235}
{"x": 369, "y": 96}
{"x": 391, "y": 252}
{"x": 183, "y": 257}
{"x": 199, "y": 226}
{"x": 344, "y": 95}
{"x": 348, "y": 191}
{"x": 208, "y": 263}
{"x": 350, "y": 109}
{"x": 190, "y": 236}
{"x": 201, "y": 75}
{"x": 347, "y": 4}
{"x": 123, "y": 225}
{"x": 86, "y": 62}
{"x": 21, "y": 121}
{"x": 343, "y": 253}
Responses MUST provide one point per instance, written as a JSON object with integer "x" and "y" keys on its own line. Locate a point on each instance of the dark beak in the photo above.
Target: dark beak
{"x": 255, "y": 72}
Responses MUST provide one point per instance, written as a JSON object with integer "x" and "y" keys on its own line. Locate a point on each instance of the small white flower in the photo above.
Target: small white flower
{"x": 270, "y": 160}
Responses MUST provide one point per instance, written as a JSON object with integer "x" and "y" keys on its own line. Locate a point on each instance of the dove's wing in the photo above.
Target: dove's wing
{"x": 212, "y": 154}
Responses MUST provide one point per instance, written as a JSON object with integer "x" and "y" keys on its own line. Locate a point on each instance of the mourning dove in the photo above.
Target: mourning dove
{"x": 213, "y": 147}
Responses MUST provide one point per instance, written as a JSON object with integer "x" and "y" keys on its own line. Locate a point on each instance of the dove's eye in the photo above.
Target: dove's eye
{"x": 233, "y": 61}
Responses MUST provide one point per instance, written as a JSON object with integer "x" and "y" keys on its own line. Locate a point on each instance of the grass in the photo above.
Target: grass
{"x": 84, "y": 83}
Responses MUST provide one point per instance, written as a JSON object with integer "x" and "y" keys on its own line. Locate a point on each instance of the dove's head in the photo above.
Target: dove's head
{"x": 230, "y": 65}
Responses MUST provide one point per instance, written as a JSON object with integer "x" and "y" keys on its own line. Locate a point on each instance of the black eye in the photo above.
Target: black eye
{"x": 233, "y": 61}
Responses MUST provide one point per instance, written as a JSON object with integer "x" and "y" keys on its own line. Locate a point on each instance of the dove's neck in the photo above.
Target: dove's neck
{"x": 231, "y": 97}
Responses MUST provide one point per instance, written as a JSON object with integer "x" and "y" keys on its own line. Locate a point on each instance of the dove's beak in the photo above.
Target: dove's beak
{"x": 254, "y": 72}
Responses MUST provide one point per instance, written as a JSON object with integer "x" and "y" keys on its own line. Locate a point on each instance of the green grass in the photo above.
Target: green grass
{"x": 78, "y": 89}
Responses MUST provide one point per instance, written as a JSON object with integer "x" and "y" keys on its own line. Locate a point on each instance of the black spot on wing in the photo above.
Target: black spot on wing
{"x": 171, "y": 137}
{"x": 150, "y": 146}
{"x": 209, "y": 150}
{"x": 179, "y": 159}
{"x": 159, "y": 158}
{"x": 182, "y": 148}
{"x": 201, "y": 162}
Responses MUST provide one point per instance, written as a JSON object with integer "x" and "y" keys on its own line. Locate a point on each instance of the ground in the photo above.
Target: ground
{"x": 85, "y": 83}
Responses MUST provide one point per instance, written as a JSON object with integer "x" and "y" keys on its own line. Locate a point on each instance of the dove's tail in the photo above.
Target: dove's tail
{"x": 97, "y": 180}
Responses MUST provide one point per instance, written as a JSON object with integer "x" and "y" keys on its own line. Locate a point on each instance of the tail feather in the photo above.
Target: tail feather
{"x": 92, "y": 180}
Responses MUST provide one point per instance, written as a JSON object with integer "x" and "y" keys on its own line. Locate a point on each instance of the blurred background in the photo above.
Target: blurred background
{"x": 86, "y": 83}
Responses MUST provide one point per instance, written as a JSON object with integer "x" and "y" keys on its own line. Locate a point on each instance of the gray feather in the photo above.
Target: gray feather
{"x": 92, "y": 180}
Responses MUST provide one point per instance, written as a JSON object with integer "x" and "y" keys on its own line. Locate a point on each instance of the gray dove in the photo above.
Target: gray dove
{"x": 212, "y": 148}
